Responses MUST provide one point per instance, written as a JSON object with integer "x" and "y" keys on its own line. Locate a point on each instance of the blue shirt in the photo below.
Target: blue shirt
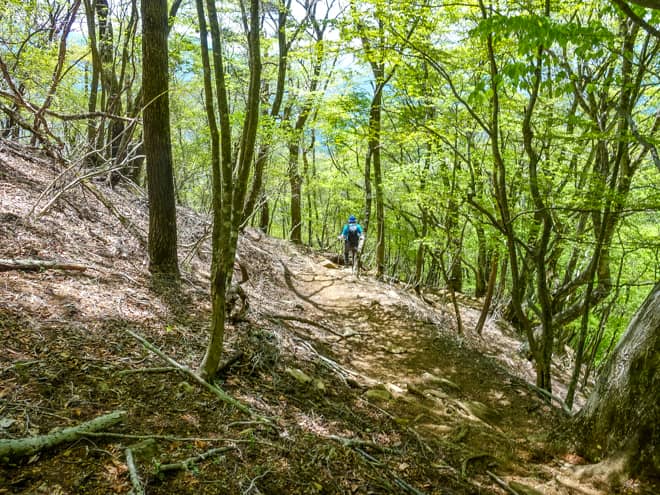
{"x": 344, "y": 231}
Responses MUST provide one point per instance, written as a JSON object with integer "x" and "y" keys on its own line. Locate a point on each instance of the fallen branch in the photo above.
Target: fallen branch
{"x": 67, "y": 187}
{"x": 550, "y": 396}
{"x": 344, "y": 374}
{"x": 217, "y": 391}
{"x": 146, "y": 370}
{"x": 224, "y": 366}
{"x": 502, "y": 483}
{"x": 133, "y": 474}
{"x": 352, "y": 442}
{"x": 407, "y": 486}
{"x": 169, "y": 438}
{"x": 576, "y": 486}
{"x": 186, "y": 464}
{"x": 27, "y": 446}
{"x": 27, "y": 265}
{"x": 128, "y": 225}
{"x": 466, "y": 461}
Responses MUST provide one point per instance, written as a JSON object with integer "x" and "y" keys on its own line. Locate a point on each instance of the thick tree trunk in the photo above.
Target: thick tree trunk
{"x": 157, "y": 143}
{"x": 622, "y": 415}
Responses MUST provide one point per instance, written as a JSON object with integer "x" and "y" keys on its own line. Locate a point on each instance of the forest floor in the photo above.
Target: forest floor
{"x": 367, "y": 388}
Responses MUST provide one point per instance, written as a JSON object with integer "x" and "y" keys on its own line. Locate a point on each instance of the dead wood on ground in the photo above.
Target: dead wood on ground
{"x": 21, "y": 447}
{"x": 28, "y": 265}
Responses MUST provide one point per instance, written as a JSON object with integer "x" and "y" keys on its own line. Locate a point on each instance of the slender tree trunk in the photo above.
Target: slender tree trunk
{"x": 375, "y": 123}
{"x": 256, "y": 193}
{"x": 542, "y": 350}
{"x": 501, "y": 195}
{"x": 295, "y": 182}
{"x": 490, "y": 290}
{"x": 214, "y": 347}
{"x": 230, "y": 176}
{"x": 368, "y": 193}
{"x": 482, "y": 262}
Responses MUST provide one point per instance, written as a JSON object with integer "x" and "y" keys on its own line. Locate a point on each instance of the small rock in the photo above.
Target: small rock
{"x": 429, "y": 377}
{"x": 319, "y": 386}
{"x": 439, "y": 394}
{"x": 394, "y": 389}
{"x": 379, "y": 393}
{"x": 329, "y": 264}
{"x": 6, "y": 422}
{"x": 480, "y": 410}
{"x": 298, "y": 375}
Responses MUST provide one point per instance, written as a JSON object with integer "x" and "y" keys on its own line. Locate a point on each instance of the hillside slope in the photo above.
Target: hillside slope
{"x": 367, "y": 388}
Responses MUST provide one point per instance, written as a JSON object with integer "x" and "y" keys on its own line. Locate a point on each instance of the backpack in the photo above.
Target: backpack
{"x": 353, "y": 235}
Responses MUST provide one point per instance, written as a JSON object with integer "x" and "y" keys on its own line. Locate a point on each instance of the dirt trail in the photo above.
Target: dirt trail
{"x": 448, "y": 389}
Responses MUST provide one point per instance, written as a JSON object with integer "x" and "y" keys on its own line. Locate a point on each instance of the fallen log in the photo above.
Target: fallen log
{"x": 38, "y": 265}
{"x": 219, "y": 392}
{"x": 20, "y": 447}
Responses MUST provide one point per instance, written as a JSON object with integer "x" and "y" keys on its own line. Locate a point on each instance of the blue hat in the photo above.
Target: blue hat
{"x": 352, "y": 219}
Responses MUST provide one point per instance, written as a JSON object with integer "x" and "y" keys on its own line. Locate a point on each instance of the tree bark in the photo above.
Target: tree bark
{"x": 622, "y": 415}
{"x": 157, "y": 142}
{"x": 230, "y": 174}
{"x": 490, "y": 290}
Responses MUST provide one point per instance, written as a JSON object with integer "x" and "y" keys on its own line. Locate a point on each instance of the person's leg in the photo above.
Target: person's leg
{"x": 354, "y": 258}
{"x": 346, "y": 249}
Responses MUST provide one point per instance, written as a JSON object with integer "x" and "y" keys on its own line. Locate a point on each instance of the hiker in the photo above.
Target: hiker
{"x": 353, "y": 238}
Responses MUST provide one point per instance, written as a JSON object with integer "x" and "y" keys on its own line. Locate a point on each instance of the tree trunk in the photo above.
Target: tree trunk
{"x": 264, "y": 217}
{"x": 157, "y": 141}
{"x": 622, "y": 415}
{"x": 257, "y": 191}
{"x": 375, "y": 122}
{"x": 492, "y": 280}
{"x": 230, "y": 175}
{"x": 480, "y": 274}
{"x": 295, "y": 181}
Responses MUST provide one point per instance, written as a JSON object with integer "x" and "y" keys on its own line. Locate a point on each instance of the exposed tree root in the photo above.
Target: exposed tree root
{"x": 352, "y": 442}
{"x": 170, "y": 438}
{"x": 188, "y": 463}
